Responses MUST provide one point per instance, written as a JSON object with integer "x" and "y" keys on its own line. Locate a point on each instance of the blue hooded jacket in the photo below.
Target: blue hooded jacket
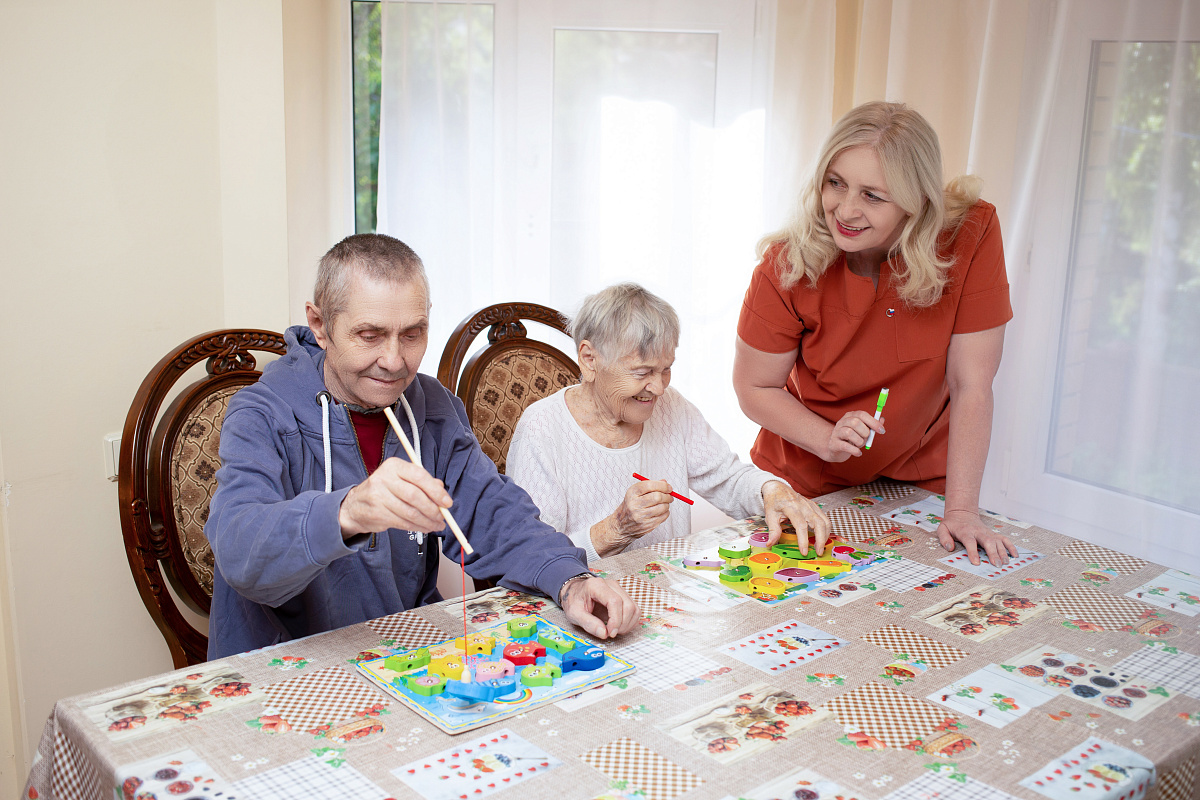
{"x": 283, "y": 569}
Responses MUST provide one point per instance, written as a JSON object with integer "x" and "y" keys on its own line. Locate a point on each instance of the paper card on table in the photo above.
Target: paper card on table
{"x": 168, "y": 700}
{"x": 902, "y": 641}
{"x": 783, "y": 646}
{"x": 477, "y": 768}
{"x": 174, "y": 775}
{"x": 312, "y": 777}
{"x": 495, "y": 605}
{"x": 889, "y": 716}
{"x": 1093, "y": 770}
{"x": 799, "y": 783}
{"x": 993, "y": 696}
{"x": 1174, "y": 590}
{"x": 1090, "y": 553}
{"x": 981, "y": 613}
{"x": 597, "y": 693}
{"x": 1111, "y": 689}
{"x": 640, "y": 768}
{"x": 960, "y": 562}
{"x": 925, "y": 514}
{"x": 744, "y": 723}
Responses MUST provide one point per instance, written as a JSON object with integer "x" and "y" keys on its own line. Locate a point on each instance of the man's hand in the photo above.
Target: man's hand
{"x": 600, "y": 606}
{"x": 966, "y": 527}
{"x": 781, "y": 502}
{"x": 399, "y": 494}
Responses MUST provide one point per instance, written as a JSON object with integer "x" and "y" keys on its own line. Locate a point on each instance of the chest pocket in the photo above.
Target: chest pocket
{"x": 923, "y": 334}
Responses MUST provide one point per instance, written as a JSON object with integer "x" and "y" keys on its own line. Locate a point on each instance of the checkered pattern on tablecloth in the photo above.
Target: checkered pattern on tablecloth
{"x": 888, "y": 490}
{"x": 1178, "y": 671}
{"x": 627, "y": 760}
{"x": 325, "y": 697}
{"x": 1090, "y": 553}
{"x": 72, "y": 777}
{"x": 1092, "y": 605}
{"x": 899, "y": 575}
{"x": 407, "y": 630}
{"x": 661, "y": 667}
{"x": 1177, "y": 784}
{"x": 651, "y": 599}
{"x": 930, "y": 785}
{"x": 673, "y": 548}
{"x": 892, "y": 717}
{"x": 310, "y": 778}
{"x": 857, "y": 527}
{"x": 902, "y": 640}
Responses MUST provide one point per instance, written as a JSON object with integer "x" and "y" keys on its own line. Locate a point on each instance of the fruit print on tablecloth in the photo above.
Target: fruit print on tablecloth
{"x": 858, "y": 528}
{"x": 642, "y": 768}
{"x": 325, "y": 697}
{"x": 890, "y": 716}
{"x": 1081, "y": 602}
{"x": 1095, "y": 769}
{"x": 407, "y": 630}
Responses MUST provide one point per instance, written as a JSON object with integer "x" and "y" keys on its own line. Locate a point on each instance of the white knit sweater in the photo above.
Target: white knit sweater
{"x": 576, "y": 481}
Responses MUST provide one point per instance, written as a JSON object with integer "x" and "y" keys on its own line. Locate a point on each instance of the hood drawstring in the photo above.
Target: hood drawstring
{"x": 323, "y": 398}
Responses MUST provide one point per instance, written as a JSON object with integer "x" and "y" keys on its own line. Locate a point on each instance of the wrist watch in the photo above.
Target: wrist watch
{"x": 581, "y": 576}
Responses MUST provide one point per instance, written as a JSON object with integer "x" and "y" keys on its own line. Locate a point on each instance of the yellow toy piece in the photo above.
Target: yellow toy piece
{"x": 474, "y": 644}
{"x": 768, "y": 586}
{"x": 827, "y": 568}
{"x": 450, "y": 667}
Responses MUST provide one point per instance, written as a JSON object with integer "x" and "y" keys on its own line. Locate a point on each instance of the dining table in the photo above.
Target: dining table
{"x": 908, "y": 673}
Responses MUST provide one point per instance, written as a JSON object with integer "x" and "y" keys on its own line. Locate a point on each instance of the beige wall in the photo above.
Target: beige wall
{"x": 142, "y": 200}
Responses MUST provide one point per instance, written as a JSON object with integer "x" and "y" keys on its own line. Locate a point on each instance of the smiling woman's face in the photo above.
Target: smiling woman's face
{"x": 628, "y": 388}
{"x": 859, "y": 209}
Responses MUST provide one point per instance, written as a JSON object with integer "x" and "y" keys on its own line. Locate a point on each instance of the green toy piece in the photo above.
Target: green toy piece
{"x": 521, "y": 628}
{"x": 404, "y": 662}
{"x": 540, "y": 675}
{"x": 735, "y": 575}
{"x": 734, "y": 551}
{"x": 553, "y": 641}
{"x": 426, "y": 685}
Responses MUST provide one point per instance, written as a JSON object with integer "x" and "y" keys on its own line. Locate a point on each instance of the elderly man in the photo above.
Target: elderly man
{"x": 319, "y": 520}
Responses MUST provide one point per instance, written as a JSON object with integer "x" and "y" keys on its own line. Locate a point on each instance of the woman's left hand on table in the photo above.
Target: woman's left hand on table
{"x": 967, "y": 528}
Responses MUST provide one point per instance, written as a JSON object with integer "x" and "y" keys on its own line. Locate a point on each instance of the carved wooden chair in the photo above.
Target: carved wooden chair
{"x": 166, "y": 477}
{"x": 512, "y": 371}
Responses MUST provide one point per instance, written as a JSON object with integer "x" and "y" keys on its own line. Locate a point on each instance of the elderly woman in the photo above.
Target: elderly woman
{"x": 576, "y": 451}
{"x": 884, "y": 279}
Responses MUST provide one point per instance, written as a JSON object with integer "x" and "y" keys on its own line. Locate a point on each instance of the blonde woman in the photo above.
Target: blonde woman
{"x": 884, "y": 279}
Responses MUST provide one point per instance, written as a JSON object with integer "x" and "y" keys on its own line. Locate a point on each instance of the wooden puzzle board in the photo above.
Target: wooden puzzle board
{"x": 454, "y": 716}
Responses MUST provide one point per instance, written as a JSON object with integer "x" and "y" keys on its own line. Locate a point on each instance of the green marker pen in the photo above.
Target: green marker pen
{"x": 883, "y": 393}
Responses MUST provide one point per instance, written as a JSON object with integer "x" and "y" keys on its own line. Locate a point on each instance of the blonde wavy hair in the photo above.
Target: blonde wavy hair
{"x": 911, "y": 158}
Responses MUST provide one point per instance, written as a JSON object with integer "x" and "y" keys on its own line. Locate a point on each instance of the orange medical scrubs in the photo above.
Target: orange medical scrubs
{"x": 852, "y": 339}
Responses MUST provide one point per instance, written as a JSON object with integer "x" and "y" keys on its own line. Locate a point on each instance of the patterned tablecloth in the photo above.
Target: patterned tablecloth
{"x": 1074, "y": 673}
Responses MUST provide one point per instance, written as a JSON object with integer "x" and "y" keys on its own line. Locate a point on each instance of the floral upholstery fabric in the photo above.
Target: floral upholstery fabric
{"x": 507, "y": 387}
{"x": 194, "y": 480}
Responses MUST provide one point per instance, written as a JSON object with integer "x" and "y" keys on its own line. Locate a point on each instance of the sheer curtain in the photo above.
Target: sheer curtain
{"x": 539, "y": 151}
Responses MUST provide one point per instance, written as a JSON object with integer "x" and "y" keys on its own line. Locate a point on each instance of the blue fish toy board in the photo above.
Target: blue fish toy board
{"x": 466, "y": 682}
{"x": 774, "y": 574}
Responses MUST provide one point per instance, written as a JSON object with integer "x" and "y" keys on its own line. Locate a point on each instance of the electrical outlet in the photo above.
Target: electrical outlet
{"x": 112, "y": 452}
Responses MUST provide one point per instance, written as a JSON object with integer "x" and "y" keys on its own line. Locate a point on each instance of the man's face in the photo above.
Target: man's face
{"x": 373, "y": 348}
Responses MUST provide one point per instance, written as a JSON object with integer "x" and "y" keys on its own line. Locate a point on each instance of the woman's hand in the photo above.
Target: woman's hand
{"x": 646, "y": 505}
{"x": 966, "y": 527}
{"x": 781, "y": 502}
{"x": 849, "y": 434}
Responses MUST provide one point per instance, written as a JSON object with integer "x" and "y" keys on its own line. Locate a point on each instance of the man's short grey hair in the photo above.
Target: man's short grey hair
{"x": 626, "y": 318}
{"x": 372, "y": 255}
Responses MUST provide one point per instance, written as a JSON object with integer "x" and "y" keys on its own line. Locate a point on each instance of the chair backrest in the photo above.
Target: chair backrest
{"x": 166, "y": 477}
{"x": 512, "y": 371}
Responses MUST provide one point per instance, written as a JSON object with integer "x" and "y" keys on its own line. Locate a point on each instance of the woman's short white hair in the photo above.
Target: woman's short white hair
{"x": 625, "y": 318}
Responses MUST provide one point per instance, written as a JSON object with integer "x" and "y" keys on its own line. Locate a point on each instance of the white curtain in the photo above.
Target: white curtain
{"x": 542, "y": 150}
